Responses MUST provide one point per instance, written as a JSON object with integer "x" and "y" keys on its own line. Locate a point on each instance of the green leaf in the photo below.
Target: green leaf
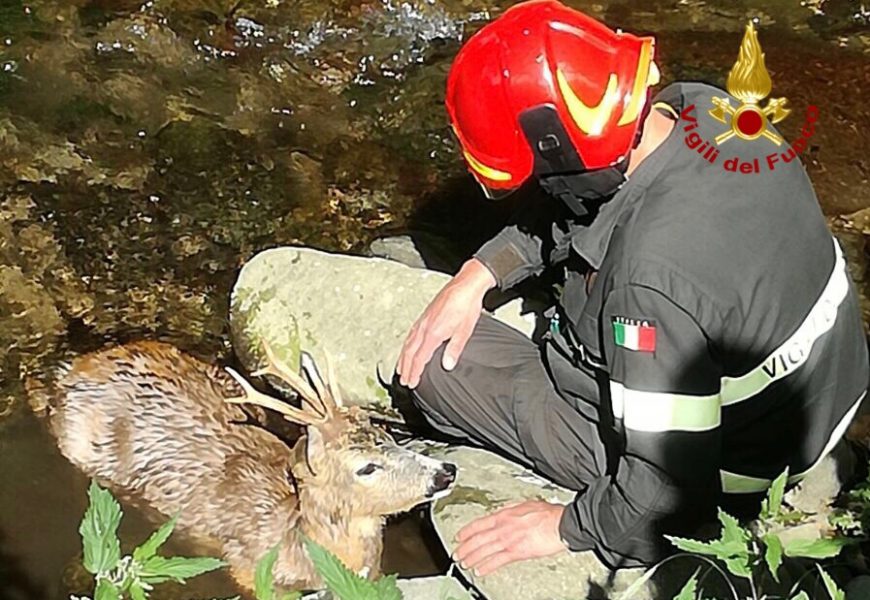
{"x": 263, "y": 577}
{"x": 732, "y": 531}
{"x": 771, "y": 504}
{"x": 387, "y": 589}
{"x": 106, "y": 590}
{"x": 688, "y": 591}
{"x": 739, "y": 565}
{"x": 823, "y": 548}
{"x": 801, "y": 596}
{"x": 153, "y": 543}
{"x": 99, "y": 531}
{"x": 292, "y": 596}
{"x": 732, "y": 548}
{"x": 773, "y": 553}
{"x": 340, "y": 580}
{"x": 158, "y": 569}
{"x": 833, "y": 591}
{"x": 717, "y": 548}
{"x": 137, "y": 592}
{"x": 693, "y": 546}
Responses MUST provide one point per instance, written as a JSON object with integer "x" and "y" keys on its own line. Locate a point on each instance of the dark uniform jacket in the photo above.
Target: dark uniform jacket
{"x": 722, "y": 322}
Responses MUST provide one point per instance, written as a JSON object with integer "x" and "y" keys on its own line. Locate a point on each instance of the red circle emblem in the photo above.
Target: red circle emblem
{"x": 750, "y": 122}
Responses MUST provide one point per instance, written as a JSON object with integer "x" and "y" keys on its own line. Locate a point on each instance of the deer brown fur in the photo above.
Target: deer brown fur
{"x": 153, "y": 422}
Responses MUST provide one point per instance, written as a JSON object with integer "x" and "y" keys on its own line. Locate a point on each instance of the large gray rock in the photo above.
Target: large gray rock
{"x": 487, "y": 482}
{"x": 359, "y": 310}
{"x": 442, "y": 587}
{"x": 418, "y": 249}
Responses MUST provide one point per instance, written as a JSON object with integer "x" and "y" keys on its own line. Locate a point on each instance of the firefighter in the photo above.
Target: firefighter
{"x": 707, "y": 335}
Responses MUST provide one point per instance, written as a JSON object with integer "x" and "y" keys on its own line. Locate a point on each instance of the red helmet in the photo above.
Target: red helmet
{"x": 544, "y": 89}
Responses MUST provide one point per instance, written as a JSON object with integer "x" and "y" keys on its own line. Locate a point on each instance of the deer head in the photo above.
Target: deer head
{"x": 343, "y": 455}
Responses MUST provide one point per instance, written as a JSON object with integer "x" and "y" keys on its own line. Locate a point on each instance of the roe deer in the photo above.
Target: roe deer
{"x": 153, "y": 422}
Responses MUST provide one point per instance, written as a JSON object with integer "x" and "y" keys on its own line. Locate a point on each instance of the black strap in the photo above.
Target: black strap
{"x": 559, "y": 168}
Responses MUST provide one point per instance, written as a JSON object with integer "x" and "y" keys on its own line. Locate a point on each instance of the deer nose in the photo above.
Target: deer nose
{"x": 445, "y": 476}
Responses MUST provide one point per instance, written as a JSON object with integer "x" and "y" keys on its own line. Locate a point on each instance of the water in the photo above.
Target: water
{"x": 148, "y": 149}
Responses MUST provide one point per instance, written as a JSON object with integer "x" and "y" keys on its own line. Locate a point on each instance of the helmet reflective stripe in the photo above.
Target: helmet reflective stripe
{"x": 641, "y": 80}
{"x": 590, "y": 119}
{"x": 484, "y": 171}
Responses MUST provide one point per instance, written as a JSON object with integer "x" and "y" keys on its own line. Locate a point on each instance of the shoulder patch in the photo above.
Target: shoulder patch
{"x": 634, "y": 334}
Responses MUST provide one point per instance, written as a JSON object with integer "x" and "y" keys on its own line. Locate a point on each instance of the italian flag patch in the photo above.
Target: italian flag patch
{"x": 634, "y": 334}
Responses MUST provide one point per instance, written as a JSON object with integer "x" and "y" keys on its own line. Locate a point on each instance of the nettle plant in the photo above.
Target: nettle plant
{"x": 751, "y": 553}
{"x": 134, "y": 576}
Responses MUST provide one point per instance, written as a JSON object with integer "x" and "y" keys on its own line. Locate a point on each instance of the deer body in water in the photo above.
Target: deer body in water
{"x": 156, "y": 423}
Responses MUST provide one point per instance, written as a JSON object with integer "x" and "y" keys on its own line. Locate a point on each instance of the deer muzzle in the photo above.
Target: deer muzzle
{"x": 442, "y": 480}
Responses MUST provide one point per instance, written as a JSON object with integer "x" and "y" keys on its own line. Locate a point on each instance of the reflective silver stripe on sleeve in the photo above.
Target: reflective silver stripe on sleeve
{"x": 657, "y": 411}
{"x": 796, "y": 349}
{"x": 733, "y": 483}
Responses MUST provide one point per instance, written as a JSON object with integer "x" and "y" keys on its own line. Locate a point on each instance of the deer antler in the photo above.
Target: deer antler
{"x": 332, "y": 382}
{"x": 310, "y": 369}
{"x": 253, "y": 396}
{"x": 313, "y": 398}
{"x": 319, "y": 398}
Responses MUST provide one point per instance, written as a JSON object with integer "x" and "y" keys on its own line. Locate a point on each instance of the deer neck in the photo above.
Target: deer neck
{"x": 329, "y": 520}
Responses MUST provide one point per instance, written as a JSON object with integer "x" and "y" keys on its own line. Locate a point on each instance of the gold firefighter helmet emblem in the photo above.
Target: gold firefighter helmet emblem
{"x": 750, "y": 83}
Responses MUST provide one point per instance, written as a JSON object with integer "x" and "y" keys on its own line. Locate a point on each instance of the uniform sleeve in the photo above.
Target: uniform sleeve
{"x": 664, "y": 393}
{"x": 512, "y": 256}
{"x": 538, "y": 236}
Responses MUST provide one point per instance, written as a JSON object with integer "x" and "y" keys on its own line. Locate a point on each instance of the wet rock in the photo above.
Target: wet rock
{"x": 400, "y": 248}
{"x": 418, "y": 249}
{"x": 487, "y": 482}
{"x": 359, "y": 310}
{"x": 39, "y": 291}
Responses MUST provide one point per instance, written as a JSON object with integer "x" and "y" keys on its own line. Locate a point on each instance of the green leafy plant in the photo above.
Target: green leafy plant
{"x": 344, "y": 583}
{"x": 135, "y": 576}
{"x": 132, "y": 576}
{"x": 747, "y": 553}
{"x": 264, "y": 586}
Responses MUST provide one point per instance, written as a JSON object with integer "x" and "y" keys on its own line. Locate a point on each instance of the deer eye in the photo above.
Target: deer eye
{"x": 368, "y": 469}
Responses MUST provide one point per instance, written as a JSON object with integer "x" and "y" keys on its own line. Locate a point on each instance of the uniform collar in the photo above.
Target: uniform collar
{"x": 592, "y": 241}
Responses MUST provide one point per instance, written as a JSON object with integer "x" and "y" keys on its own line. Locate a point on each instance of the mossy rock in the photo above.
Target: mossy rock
{"x": 358, "y": 310}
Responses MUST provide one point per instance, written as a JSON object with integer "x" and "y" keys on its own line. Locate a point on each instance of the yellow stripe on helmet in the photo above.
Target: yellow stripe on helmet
{"x": 646, "y": 72}
{"x": 485, "y": 171}
{"x": 590, "y": 119}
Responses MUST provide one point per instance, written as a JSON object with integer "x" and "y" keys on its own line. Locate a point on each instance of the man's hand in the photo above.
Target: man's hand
{"x": 450, "y": 317}
{"x": 519, "y": 532}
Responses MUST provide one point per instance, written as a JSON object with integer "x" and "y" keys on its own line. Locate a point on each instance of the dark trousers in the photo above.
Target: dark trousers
{"x": 501, "y": 396}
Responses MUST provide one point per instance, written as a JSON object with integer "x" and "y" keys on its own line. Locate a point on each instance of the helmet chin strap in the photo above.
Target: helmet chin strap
{"x": 560, "y": 171}
{"x": 578, "y": 189}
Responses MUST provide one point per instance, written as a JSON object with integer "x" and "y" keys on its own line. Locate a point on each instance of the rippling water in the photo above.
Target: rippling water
{"x": 148, "y": 149}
